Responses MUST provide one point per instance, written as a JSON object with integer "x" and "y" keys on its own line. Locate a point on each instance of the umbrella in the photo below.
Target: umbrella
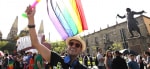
{"x": 127, "y": 51}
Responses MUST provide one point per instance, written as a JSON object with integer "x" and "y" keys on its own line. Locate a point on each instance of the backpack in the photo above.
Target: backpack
{"x": 96, "y": 61}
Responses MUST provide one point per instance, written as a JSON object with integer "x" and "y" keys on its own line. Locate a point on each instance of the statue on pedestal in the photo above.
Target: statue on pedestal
{"x": 132, "y": 24}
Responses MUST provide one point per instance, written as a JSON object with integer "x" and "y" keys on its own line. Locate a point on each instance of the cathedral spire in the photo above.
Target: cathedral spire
{"x": 41, "y": 29}
{"x": 14, "y": 29}
{"x": 0, "y": 35}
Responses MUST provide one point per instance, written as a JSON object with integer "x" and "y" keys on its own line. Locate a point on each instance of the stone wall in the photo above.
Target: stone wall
{"x": 105, "y": 37}
{"x": 138, "y": 44}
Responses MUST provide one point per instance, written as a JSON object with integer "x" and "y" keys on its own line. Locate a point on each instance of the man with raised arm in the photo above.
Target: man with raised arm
{"x": 75, "y": 46}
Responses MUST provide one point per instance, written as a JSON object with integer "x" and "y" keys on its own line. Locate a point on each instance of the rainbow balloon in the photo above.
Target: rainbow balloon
{"x": 67, "y": 16}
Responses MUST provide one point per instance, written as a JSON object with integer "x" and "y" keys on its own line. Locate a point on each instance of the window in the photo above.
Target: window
{"x": 96, "y": 40}
{"x": 122, "y": 33}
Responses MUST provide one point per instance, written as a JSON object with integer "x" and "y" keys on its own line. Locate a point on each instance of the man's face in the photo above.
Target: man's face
{"x": 74, "y": 47}
{"x": 100, "y": 50}
{"x": 131, "y": 57}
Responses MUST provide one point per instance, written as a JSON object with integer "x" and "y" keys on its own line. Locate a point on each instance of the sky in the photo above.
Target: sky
{"x": 98, "y": 13}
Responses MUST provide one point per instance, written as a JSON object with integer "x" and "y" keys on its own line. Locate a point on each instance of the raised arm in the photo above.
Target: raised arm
{"x": 141, "y": 12}
{"x": 45, "y": 52}
{"x": 121, "y": 16}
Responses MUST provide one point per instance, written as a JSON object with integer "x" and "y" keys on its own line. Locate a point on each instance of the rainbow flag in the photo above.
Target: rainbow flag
{"x": 67, "y": 16}
{"x": 10, "y": 65}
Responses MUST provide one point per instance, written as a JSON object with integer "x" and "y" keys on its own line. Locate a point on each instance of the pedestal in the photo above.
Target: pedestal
{"x": 137, "y": 44}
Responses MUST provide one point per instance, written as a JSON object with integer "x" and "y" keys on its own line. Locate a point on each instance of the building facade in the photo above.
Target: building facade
{"x": 119, "y": 35}
{"x": 13, "y": 31}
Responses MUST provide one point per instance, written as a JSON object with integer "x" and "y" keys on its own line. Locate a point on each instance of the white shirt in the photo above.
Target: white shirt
{"x": 100, "y": 56}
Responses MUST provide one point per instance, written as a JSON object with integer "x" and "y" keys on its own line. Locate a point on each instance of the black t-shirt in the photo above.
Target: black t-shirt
{"x": 119, "y": 63}
{"x": 55, "y": 59}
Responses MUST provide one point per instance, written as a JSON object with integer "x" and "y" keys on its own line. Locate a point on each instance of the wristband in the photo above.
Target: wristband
{"x": 31, "y": 26}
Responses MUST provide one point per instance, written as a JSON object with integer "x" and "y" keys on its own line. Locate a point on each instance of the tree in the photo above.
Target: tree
{"x": 58, "y": 46}
{"x": 3, "y": 43}
{"x": 10, "y": 46}
{"x": 116, "y": 46}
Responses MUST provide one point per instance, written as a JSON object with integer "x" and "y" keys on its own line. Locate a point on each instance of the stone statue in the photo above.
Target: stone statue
{"x": 132, "y": 24}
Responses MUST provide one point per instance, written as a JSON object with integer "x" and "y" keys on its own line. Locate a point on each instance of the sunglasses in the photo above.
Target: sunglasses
{"x": 77, "y": 45}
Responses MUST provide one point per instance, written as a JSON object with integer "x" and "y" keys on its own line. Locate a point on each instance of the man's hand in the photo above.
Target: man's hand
{"x": 117, "y": 14}
{"x": 30, "y": 12}
{"x": 144, "y": 11}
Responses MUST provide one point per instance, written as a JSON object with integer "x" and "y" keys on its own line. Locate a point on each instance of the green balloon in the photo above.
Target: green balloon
{"x": 24, "y": 15}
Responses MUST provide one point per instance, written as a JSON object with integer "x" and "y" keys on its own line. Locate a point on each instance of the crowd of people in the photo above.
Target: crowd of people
{"x": 23, "y": 60}
{"x": 107, "y": 60}
{"x": 117, "y": 60}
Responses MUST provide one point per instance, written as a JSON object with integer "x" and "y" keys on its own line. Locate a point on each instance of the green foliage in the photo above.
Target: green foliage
{"x": 8, "y": 46}
{"x": 3, "y": 43}
{"x": 116, "y": 46}
{"x": 58, "y": 46}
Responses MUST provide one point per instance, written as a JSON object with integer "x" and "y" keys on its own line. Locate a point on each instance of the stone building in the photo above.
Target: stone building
{"x": 119, "y": 35}
{"x": 25, "y": 31}
{"x": 13, "y": 31}
{"x": 41, "y": 29}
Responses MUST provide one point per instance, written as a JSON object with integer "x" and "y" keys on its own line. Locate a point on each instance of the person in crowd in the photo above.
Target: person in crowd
{"x": 5, "y": 61}
{"x": 118, "y": 62}
{"x": 1, "y": 61}
{"x": 140, "y": 61}
{"x": 147, "y": 59}
{"x": 108, "y": 59}
{"x": 25, "y": 57}
{"x": 75, "y": 46}
{"x": 91, "y": 60}
{"x": 86, "y": 60}
{"x": 18, "y": 62}
{"x": 100, "y": 59}
{"x": 38, "y": 63}
{"x": 29, "y": 56}
{"x": 31, "y": 61}
{"x": 132, "y": 64}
